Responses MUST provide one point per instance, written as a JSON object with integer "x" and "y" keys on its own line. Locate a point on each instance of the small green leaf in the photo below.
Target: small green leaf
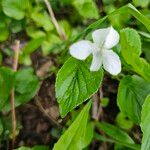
{"x": 126, "y": 146}
{"x": 75, "y": 84}
{"x": 145, "y": 126}
{"x": 42, "y": 19}
{"x": 115, "y": 132}
{"x": 74, "y": 137}
{"x": 86, "y": 8}
{"x": 4, "y": 32}
{"x": 15, "y": 8}
{"x": 123, "y": 121}
{"x": 131, "y": 95}
{"x": 26, "y": 86}
{"x": 32, "y": 45}
{"x": 6, "y": 84}
{"x": 142, "y": 3}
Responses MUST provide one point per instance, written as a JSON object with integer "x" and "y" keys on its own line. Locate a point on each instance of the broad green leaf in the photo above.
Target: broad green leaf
{"x": 75, "y": 84}
{"x": 26, "y": 87}
{"x": 6, "y": 84}
{"x": 128, "y": 39}
{"x": 131, "y": 95}
{"x": 145, "y": 125}
{"x": 131, "y": 51}
{"x": 142, "y": 3}
{"x": 114, "y": 132}
{"x": 15, "y": 8}
{"x": 89, "y": 134}
{"x": 74, "y": 137}
{"x": 86, "y": 8}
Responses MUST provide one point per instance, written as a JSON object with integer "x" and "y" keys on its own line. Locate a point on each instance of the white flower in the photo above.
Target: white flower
{"x": 104, "y": 39}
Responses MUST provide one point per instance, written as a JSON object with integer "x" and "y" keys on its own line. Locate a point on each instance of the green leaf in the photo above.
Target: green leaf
{"x": 75, "y": 84}
{"x": 114, "y": 132}
{"x": 119, "y": 136}
{"x": 32, "y": 45}
{"x": 6, "y": 84}
{"x": 128, "y": 39}
{"x": 15, "y": 8}
{"x": 86, "y": 8}
{"x": 4, "y": 33}
{"x": 145, "y": 126}
{"x": 131, "y": 52}
{"x": 123, "y": 121}
{"x": 127, "y": 146}
{"x": 127, "y": 9}
{"x": 142, "y": 3}
{"x": 74, "y": 137}
{"x": 35, "y": 33}
{"x": 47, "y": 45}
{"x": 26, "y": 87}
{"x": 131, "y": 95}
{"x": 42, "y": 19}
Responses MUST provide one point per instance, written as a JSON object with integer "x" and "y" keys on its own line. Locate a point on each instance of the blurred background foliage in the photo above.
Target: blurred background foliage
{"x": 29, "y": 21}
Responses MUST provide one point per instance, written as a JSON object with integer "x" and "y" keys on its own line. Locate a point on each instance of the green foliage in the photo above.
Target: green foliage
{"x": 145, "y": 124}
{"x": 24, "y": 82}
{"x": 128, "y": 39}
{"x": 4, "y": 33}
{"x": 75, "y": 84}
{"x": 115, "y": 132}
{"x": 15, "y": 8}
{"x": 32, "y": 46}
{"x": 142, "y": 3}
{"x": 86, "y": 8}
{"x": 119, "y": 136}
{"x": 6, "y": 84}
{"x": 131, "y": 95}
{"x": 75, "y": 136}
{"x": 42, "y": 19}
{"x": 131, "y": 51}
{"x": 123, "y": 122}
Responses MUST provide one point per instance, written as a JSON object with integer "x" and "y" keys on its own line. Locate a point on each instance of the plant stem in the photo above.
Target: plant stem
{"x": 54, "y": 21}
{"x": 12, "y": 96}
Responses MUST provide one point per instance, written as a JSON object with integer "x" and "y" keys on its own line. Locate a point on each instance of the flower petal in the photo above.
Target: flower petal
{"x": 81, "y": 50}
{"x": 96, "y": 62}
{"x": 112, "y": 38}
{"x": 111, "y": 62}
{"x": 99, "y": 36}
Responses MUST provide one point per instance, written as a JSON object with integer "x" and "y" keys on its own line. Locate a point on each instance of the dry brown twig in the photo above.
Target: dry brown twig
{"x": 12, "y": 95}
{"x": 54, "y": 21}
